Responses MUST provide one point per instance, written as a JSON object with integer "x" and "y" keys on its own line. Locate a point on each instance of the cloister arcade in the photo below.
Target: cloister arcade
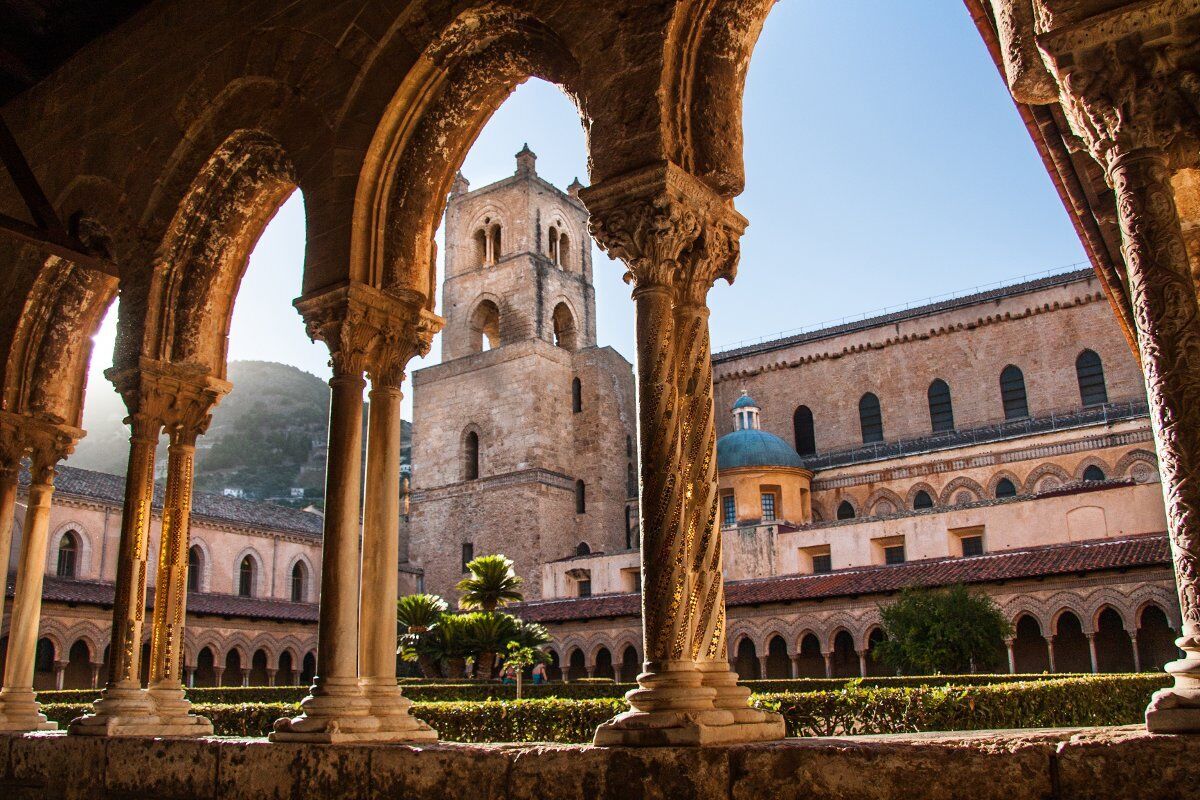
{"x": 370, "y": 113}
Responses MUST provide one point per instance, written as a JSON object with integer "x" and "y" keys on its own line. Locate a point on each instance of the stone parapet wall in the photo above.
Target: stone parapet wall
{"x": 1023, "y": 765}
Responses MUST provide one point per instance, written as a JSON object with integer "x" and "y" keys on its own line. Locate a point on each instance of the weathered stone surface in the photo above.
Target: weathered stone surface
{"x": 436, "y": 773}
{"x": 597, "y": 773}
{"x": 161, "y": 768}
{"x": 1128, "y": 762}
{"x": 1008, "y": 768}
{"x": 55, "y": 765}
{"x": 256, "y": 769}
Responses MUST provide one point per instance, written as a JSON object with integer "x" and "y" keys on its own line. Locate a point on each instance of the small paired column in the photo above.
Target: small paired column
{"x": 676, "y": 237}
{"x": 1050, "y": 653}
{"x": 354, "y": 696}
{"x": 48, "y": 444}
{"x": 1137, "y": 656}
{"x": 828, "y": 656}
{"x": 1091, "y": 638}
{"x": 159, "y": 396}
{"x": 795, "y": 659}
{"x": 862, "y": 663}
{"x": 1010, "y": 646}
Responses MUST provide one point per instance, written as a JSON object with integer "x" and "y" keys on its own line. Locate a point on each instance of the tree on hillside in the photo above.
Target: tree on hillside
{"x": 491, "y": 584}
{"x": 949, "y": 630}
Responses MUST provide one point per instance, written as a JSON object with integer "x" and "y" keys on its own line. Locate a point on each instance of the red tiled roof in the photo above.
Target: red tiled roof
{"x": 100, "y": 593}
{"x": 1148, "y": 550}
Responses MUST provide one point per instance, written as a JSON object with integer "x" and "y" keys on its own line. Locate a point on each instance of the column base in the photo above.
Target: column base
{"x": 1176, "y": 709}
{"x": 20, "y": 712}
{"x": 735, "y": 698}
{"x": 124, "y": 711}
{"x": 335, "y": 712}
{"x": 394, "y": 712}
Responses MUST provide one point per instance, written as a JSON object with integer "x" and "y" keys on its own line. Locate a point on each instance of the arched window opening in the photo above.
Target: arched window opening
{"x": 921, "y": 500}
{"x": 1071, "y": 650}
{"x": 870, "y": 418}
{"x": 68, "y": 555}
{"x": 1005, "y": 488}
{"x": 299, "y": 582}
{"x": 845, "y": 510}
{"x": 471, "y": 456}
{"x": 802, "y": 425}
{"x": 1093, "y": 473}
{"x": 565, "y": 334}
{"x": 631, "y": 482}
{"x": 941, "y": 410}
{"x": 746, "y": 660}
{"x": 496, "y": 241}
{"x": 195, "y": 565}
{"x": 552, "y": 244}
{"x": 485, "y": 327}
{"x": 246, "y": 577}
{"x": 583, "y": 549}
{"x": 564, "y": 250}
{"x": 629, "y": 447}
{"x": 1030, "y": 654}
{"x": 576, "y": 396}
{"x": 308, "y": 668}
{"x": 580, "y": 498}
{"x": 1012, "y": 393}
{"x": 779, "y": 663}
{"x": 1090, "y": 373}
{"x": 844, "y": 663}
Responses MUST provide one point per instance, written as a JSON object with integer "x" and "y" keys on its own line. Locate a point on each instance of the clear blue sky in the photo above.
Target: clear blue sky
{"x": 885, "y": 163}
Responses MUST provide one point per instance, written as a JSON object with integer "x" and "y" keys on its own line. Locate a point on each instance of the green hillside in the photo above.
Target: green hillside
{"x": 267, "y": 436}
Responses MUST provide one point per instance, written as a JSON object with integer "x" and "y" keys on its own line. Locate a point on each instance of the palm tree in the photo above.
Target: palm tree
{"x": 531, "y": 635}
{"x": 489, "y": 633}
{"x": 448, "y": 641}
{"x": 417, "y": 615}
{"x": 492, "y": 584}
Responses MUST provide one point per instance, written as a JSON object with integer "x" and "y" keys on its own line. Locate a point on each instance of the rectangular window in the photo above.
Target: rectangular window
{"x": 728, "y": 511}
{"x": 893, "y": 554}
{"x": 468, "y": 554}
{"x": 585, "y": 587}
{"x": 768, "y": 506}
{"x": 972, "y": 546}
{"x": 822, "y": 563}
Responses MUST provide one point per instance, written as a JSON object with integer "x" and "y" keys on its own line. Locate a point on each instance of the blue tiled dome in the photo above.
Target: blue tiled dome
{"x": 744, "y": 401}
{"x": 755, "y": 448}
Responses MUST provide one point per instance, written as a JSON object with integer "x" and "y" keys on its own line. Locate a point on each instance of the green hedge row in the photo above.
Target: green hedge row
{"x": 477, "y": 691}
{"x": 853, "y": 709}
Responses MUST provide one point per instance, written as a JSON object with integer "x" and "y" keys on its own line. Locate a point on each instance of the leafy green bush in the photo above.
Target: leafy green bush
{"x": 852, "y": 709}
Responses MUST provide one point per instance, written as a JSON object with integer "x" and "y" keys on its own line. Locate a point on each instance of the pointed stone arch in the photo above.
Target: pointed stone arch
{"x": 883, "y": 502}
{"x": 951, "y": 491}
{"x": 1041, "y": 472}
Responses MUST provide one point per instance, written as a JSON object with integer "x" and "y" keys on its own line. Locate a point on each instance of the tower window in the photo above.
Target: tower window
{"x": 845, "y": 510}
{"x": 68, "y": 552}
{"x": 485, "y": 327}
{"x": 922, "y": 500}
{"x": 1012, "y": 393}
{"x": 870, "y": 418}
{"x": 1093, "y": 473}
{"x": 941, "y": 411}
{"x": 1090, "y": 373}
{"x": 468, "y": 554}
{"x": 576, "y": 396}
{"x": 471, "y": 456}
{"x": 1005, "y": 488}
{"x": 802, "y": 425}
{"x": 496, "y": 251}
{"x": 580, "y": 498}
{"x": 564, "y": 250}
{"x": 768, "y": 506}
{"x": 566, "y": 335}
{"x": 552, "y": 244}
{"x": 583, "y": 549}
{"x": 481, "y": 248}
{"x": 728, "y": 510}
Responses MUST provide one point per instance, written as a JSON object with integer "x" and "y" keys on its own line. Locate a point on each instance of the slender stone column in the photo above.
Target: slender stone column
{"x": 862, "y": 663}
{"x": 218, "y": 675}
{"x": 170, "y": 594}
{"x": 18, "y": 709}
{"x": 828, "y": 656}
{"x": 12, "y": 447}
{"x": 1091, "y": 637}
{"x": 1050, "y": 653}
{"x": 271, "y": 676}
{"x": 1137, "y": 657}
{"x": 381, "y": 548}
{"x": 795, "y": 659}
{"x": 1010, "y": 646}
{"x": 60, "y": 671}
{"x": 95, "y": 673}
{"x": 763, "y": 661}
{"x": 124, "y": 706}
{"x": 357, "y": 322}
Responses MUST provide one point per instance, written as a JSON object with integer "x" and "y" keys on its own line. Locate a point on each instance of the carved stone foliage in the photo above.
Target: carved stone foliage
{"x": 175, "y": 397}
{"x": 370, "y": 330}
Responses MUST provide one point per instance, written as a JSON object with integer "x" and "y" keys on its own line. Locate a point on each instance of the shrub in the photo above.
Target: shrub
{"x": 853, "y": 709}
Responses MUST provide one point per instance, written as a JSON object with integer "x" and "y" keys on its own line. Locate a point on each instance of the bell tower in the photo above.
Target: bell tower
{"x": 523, "y": 437}
{"x": 518, "y": 265}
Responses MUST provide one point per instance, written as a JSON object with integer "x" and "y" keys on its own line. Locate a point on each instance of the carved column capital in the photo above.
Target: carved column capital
{"x": 1130, "y": 79}
{"x": 367, "y": 329}
{"x": 669, "y": 228}
{"x": 161, "y": 395}
{"x": 47, "y": 440}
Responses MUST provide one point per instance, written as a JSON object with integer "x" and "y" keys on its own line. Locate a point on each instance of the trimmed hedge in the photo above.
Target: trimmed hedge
{"x": 1061, "y": 702}
{"x": 478, "y": 691}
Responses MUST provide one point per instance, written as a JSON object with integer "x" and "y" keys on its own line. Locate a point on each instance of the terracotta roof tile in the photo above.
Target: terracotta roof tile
{"x": 100, "y": 593}
{"x": 1034, "y": 562}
